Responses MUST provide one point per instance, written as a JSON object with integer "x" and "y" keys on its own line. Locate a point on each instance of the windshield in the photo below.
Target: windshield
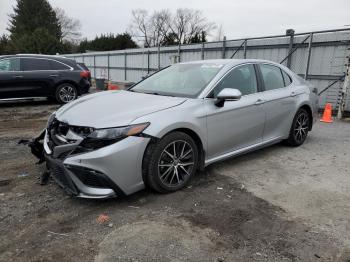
{"x": 184, "y": 80}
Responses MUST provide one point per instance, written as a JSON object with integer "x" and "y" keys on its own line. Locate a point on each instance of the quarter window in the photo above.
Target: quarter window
{"x": 34, "y": 64}
{"x": 242, "y": 78}
{"x": 10, "y": 64}
{"x": 287, "y": 79}
{"x": 54, "y": 65}
{"x": 272, "y": 77}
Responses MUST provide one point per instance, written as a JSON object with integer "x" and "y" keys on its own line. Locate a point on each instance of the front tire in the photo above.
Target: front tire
{"x": 66, "y": 93}
{"x": 169, "y": 164}
{"x": 300, "y": 128}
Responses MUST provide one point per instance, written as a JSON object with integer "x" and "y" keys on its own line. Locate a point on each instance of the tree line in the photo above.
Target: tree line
{"x": 36, "y": 27}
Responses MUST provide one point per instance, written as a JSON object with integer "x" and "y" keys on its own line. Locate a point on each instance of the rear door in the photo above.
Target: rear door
{"x": 279, "y": 101}
{"x": 9, "y": 76}
{"x": 38, "y": 76}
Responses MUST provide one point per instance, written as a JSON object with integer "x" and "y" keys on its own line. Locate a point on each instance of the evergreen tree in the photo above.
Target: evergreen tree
{"x": 34, "y": 28}
{"x": 107, "y": 42}
{"x": 4, "y": 45}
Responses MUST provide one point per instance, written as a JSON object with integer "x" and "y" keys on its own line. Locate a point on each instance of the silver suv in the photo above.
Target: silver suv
{"x": 181, "y": 119}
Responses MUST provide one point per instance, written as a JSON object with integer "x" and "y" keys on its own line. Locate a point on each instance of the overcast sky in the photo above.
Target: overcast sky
{"x": 244, "y": 18}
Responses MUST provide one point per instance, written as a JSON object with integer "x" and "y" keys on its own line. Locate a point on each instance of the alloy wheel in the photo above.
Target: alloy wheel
{"x": 301, "y": 127}
{"x": 176, "y": 163}
{"x": 67, "y": 94}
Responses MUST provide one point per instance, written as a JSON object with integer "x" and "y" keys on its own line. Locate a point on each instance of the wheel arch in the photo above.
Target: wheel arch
{"x": 309, "y": 111}
{"x": 198, "y": 142}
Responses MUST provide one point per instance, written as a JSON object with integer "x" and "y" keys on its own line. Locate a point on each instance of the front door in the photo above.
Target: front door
{"x": 238, "y": 124}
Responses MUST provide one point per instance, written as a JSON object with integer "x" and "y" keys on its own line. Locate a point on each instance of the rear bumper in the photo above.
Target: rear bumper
{"x": 84, "y": 86}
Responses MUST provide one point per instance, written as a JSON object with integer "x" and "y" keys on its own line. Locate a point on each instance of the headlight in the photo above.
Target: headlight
{"x": 118, "y": 132}
{"x": 104, "y": 137}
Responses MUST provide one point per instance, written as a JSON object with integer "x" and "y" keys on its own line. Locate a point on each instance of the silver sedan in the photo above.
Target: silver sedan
{"x": 173, "y": 123}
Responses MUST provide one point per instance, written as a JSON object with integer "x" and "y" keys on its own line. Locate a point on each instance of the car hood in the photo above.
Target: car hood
{"x": 113, "y": 108}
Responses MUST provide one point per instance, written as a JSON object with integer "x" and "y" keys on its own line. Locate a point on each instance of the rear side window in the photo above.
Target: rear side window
{"x": 287, "y": 79}
{"x": 54, "y": 65}
{"x": 34, "y": 64}
{"x": 9, "y": 64}
{"x": 272, "y": 77}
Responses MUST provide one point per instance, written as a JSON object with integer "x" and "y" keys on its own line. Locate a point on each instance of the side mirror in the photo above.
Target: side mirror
{"x": 227, "y": 94}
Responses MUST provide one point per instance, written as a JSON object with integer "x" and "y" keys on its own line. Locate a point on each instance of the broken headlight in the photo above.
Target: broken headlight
{"x": 104, "y": 137}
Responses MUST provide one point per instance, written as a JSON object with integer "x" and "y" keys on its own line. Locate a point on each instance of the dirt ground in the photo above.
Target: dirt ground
{"x": 276, "y": 204}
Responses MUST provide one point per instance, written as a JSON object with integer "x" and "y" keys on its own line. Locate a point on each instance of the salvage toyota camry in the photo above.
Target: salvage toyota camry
{"x": 162, "y": 130}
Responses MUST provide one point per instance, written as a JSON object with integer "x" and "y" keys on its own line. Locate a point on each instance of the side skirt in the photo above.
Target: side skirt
{"x": 244, "y": 150}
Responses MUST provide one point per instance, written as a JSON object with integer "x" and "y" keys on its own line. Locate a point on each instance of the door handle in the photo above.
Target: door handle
{"x": 17, "y": 76}
{"x": 54, "y": 75}
{"x": 260, "y": 102}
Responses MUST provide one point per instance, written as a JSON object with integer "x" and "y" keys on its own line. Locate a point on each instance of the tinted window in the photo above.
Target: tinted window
{"x": 31, "y": 64}
{"x": 10, "y": 64}
{"x": 54, "y": 65}
{"x": 287, "y": 79}
{"x": 242, "y": 78}
{"x": 272, "y": 76}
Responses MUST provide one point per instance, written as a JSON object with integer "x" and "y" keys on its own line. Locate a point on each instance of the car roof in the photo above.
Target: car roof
{"x": 228, "y": 61}
{"x": 36, "y": 56}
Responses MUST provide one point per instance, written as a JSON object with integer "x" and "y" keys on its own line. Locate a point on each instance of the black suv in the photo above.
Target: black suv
{"x": 25, "y": 76}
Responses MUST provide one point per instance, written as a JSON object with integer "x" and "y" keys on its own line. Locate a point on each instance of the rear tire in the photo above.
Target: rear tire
{"x": 170, "y": 163}
{"x": 66, "y": 93}
{"x": 300, "y": 128}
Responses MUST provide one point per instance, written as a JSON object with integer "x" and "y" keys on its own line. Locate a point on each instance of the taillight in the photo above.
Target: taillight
{"x": 85, "y": 74}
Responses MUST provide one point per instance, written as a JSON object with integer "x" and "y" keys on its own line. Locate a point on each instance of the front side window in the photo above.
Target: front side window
{"x": 242, "y": 78}
{"x": 272, "y": 77}
{"x": 9, "y": 64}
{"x": 34, "y": 64}
{"x": 184, "y": 80}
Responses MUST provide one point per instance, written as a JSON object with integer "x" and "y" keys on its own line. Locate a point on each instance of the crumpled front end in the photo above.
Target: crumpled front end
{"x": 91, "y": 171}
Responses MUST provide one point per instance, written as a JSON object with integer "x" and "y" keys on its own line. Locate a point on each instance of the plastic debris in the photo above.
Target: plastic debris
{"x": 23, "y": 174}
{"x": 103, "y": 218}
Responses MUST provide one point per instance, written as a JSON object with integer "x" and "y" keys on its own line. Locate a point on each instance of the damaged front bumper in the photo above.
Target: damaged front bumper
{"x": 111, "y": 171}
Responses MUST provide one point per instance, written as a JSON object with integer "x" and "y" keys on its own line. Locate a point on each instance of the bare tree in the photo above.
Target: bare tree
{"x": 70, "y": 27}
{"x": 219, "y": 34}
{"x": 165, "y": 28}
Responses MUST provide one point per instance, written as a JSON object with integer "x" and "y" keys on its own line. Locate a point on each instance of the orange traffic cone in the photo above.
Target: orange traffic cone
{"x": 327, "y": 114}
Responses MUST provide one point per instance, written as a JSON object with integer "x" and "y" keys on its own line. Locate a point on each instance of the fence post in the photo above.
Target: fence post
{"x": 202, "y": 50}
{"x": 108, "y": 66}
{"x": 148, "y": 62}
{"x": 245, "y": 49}
{"x": 223, "y": 48}
{"x": 158, "y": 53}
{"x": 308, "y": 56}
{"x": 290, "y": 32}
{"x": 125, "y": 64}
{"x": 94, "y": 66}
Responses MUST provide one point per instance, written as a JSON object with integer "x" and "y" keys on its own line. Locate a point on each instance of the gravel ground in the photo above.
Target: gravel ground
{"x": 276, "y": 204}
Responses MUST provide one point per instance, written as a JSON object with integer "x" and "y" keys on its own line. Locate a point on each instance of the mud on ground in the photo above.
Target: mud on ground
{"x": 277, "y": 204}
